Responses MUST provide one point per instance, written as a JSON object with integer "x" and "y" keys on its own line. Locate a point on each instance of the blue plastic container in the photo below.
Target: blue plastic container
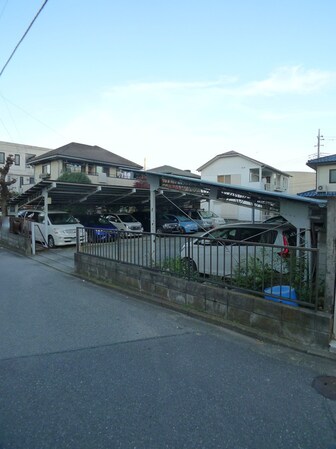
{"x": 285, "y": 291}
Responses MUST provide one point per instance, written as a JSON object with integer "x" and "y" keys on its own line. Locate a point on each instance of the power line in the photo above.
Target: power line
{"x": 24, "y": 35}
{"x": 3, "y": 8}
{"x": 6, "y": 100}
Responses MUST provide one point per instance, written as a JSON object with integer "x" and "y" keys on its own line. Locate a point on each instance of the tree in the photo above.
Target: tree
{"x": 5, "y": 193}
{"x": 80, "y": 178}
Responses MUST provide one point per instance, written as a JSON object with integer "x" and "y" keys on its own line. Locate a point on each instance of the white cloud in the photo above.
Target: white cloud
{"x": 185, "y": 124}
{"x": 284, "y": 80}
{"x": 291, "y": 80}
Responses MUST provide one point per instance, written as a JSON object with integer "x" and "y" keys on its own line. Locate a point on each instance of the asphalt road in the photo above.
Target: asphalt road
{"x": 84, "y": 367}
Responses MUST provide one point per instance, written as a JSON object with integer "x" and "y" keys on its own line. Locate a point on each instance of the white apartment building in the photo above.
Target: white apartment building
{"x": 20, "y": 170}
{"x": 240, "y": 170}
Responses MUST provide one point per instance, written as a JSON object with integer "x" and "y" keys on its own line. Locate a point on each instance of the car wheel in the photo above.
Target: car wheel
{"x": 189, "y": 265}
{"x": 51, "y": 241}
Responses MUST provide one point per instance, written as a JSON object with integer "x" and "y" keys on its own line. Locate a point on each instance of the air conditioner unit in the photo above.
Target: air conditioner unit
{"x": 44, "y": 175}
{"x": 322, "y": 188}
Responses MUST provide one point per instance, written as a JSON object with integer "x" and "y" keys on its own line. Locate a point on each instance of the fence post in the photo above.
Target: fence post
{"x": 33, "y": 245}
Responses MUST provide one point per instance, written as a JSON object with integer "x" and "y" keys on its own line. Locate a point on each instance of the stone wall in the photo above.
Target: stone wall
{"x": 292, "y": 324}
{"x": 15, "y": 242}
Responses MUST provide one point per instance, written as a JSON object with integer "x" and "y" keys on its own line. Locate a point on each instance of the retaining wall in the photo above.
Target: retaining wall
{"x": 15, "y": 242}
{"x": 293, "y": 324}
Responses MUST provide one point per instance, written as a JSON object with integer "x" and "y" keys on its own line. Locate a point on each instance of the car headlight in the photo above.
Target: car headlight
{"x": 59, "y": 231}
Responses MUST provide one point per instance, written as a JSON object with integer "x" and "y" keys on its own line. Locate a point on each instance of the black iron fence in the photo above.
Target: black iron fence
{"x": 286, "y": 274}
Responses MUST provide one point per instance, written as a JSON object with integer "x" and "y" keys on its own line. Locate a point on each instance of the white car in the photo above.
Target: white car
{"x": 221, "y": 251}
{"x": 125, "y": 222}
{"x": 61, "y": 226}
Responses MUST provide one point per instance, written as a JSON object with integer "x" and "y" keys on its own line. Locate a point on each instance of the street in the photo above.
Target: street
{"x": 86, "y": 367}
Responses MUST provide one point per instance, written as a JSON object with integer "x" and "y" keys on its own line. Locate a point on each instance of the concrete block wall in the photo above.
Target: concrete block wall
{"x": 16, "y": 242}
{"x": 293, "y": 324}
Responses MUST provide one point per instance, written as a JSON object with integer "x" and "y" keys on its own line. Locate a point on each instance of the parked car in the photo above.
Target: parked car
{"x": 186, "y": 225}
{"x": 205, "y": 219}
{"x": 125, "y": 222}
{"x": 221, "y": 251}
{"x": 61, "y": 226}
{"x": 98, "y": 228}
{"x": 163, "y": 225}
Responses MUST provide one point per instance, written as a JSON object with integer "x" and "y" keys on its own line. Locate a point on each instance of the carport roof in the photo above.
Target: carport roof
{"x": 169, "y": 188}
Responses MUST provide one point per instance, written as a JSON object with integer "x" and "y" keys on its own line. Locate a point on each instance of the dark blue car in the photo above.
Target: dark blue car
{"x": 98, "y": 228}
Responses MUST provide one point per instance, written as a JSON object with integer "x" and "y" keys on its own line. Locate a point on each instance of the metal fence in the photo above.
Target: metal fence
{"x": 284, "y": 274}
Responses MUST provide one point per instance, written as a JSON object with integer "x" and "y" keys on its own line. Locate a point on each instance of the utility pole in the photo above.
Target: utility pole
{"x": 319, "y": 145}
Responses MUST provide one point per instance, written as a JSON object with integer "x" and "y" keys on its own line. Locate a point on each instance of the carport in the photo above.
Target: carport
{"x": 156, "y": 190}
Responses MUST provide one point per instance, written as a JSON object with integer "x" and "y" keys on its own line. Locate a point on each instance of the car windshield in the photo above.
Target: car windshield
{"x": 207, "y": 215}
{"x": 182, "y": 218}
{"x": 103, "y": 221}
{"x": 61, "y": 218}
{"x": 127, "y": 218}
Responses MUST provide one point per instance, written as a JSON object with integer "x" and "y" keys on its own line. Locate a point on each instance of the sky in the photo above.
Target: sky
{"x": 173, "y": 82}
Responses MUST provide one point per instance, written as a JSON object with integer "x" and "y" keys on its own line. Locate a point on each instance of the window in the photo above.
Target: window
{"x": 17, "y": 159}
{"x": 46, "y": 169}
{"x": 332, "y": 175}
{"x": 103, "y": 169}
{"x": 28, "y": 157}
{"x": 254, "y": 175}
{"x": 226, "y": 179}
{"x": 72, "y": 168}
{"x": 2, "y": 158}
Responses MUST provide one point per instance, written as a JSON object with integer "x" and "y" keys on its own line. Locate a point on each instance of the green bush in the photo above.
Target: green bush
{"x": 254, "y": 275}
{"x": 178, "y": 267}
{"x": 79, "y": 178}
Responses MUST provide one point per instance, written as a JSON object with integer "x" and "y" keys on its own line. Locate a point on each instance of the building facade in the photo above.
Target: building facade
{"x": 237, "y": 169}
{"x": 21, "y": 170}
{"x": 101, "y": 166}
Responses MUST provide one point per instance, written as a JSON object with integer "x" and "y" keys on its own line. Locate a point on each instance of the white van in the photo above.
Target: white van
{"x": 125, "y": 222}
{"x": 61, "y": 227}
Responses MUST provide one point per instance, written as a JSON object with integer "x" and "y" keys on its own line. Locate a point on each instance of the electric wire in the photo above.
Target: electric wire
{"x": 22, "y": 38}
{"x": 3, "y": 9}
{"x": 6, "y": 100}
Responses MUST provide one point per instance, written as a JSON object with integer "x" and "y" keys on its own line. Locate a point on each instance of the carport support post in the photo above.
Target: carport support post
{"x": 45, "y": 198}
{"x": 153, "y": 186}
{"x": 331, "y": 266}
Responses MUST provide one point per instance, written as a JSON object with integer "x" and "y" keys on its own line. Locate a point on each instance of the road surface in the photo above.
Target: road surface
{"x": 84, "y": 367}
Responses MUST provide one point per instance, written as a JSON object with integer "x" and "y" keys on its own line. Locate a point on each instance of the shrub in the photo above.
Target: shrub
{"x": 178, "y": 267}
{"x": 80, "y": 178}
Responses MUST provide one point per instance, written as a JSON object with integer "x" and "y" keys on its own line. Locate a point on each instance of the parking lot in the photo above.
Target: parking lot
{"x": 135, "y": 249}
